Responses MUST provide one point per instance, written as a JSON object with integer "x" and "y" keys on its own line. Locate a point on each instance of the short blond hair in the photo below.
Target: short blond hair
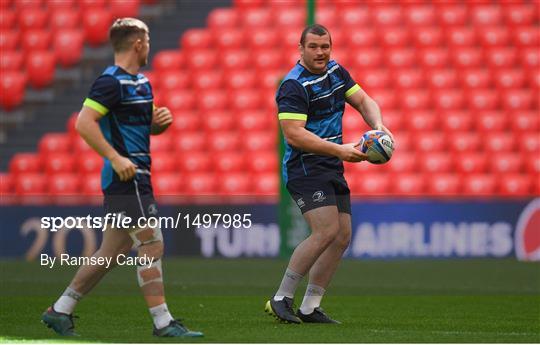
{"x": 123, "y": 30}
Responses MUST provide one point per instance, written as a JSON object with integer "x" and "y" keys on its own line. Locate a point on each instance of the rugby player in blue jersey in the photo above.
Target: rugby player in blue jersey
{"x": 116, "y": 120}
{"x": 311, "y": 101}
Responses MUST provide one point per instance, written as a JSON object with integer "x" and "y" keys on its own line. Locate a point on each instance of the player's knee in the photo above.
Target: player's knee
{"x": 326, "y": 236}
{"x": 343, "y": 239}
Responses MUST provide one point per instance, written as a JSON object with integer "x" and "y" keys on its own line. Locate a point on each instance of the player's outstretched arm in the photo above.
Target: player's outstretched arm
{"x": 161, "y": 120}
{"x": 296, "y": 135}
{"x": 89, "y": 130}
{"x": 369, "y": 110}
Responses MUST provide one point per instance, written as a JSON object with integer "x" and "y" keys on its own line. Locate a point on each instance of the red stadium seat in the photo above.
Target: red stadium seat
{"x": 213, "y": 100}
{"x": 434, "y": 57}
{"x": 506, "y": 163}
{"x": 6, "y": 184}
{"x": 519, "y": 99}
{"x": 449, "y": 99}
{"x": 476, "y": 78}
{"x": 464, "y": 142}
{"x": 64, "y": 18}
{"x": 509, "y": 78}
{"x": 196, "y": 39}
{"x": 443, "y": 184}
{"x": 432, "y": 141}
{"x": 525, "y": 121}
{"x": 515, "y": 185}
{"x": 195, "y": 162}
{"x": 436, "y": 163}
{"x": 11, "y": 60}
{"x": 243, "y": 99}
{"x": 24, "y": 163}
{"x": 490, "y": 121}
{"x": 33, "y": 19}
{"x": 179, "y": 100}
{"x": 534, "y": 80}
{"x": 532, "y": 166}
{"x": 363, "y": 37}
{"x": 375, "y": 78}
{"x": 257, "y": 17}
{"x": 467, "y": 57}
{"x": 262, "y": 38}
{"x": 239, "y": 78}
{"x": 427, "y": 36}
{"x": 520, "y": 14}
{"x": 420, "y": 14}
{"x": 9, "y": 39}
{"x": 160, "y": 143}
{"x": 266, "y": 184}
{"x": 260, "y": 162}
{"x": 58, "y": 163}
{"x": 442, "y": 78}
{"x": 218, "y": 121}
{"x": 501, "y": 57}
{"x": 479, "y": 184}
{"x": 8, "y": 18}
{"x": 79, "y": 145}
{"x": 482, "y": 99}
{"x": 33, "y": 40}
{"x": 167, "y": 60}
{"x": 54, "y": 143}
{"x": 30, "y": 184}
{"x": 63, "y": 184}
{"x": 385, "y": 98}
{"x": 91, "y": 184}
{"x": 206, "y": 80}
{"x": 400, "y": 57}
{"x": 470, "y": 162}
{"x": 201, "y": 184}
{"x": 401, "y": 163}
{"x": 493, "y": 36}
{"x": 259, "y": 141}
{"x": 255, "y": 120}
{"x": 387, "y": 15}
{"x": 61, "y": 4}
{"x": 486, "y": 15}
{"x": 224, "y": 141}
{"x": 352, "y": 16}
{"x": 96, "y": 26}
{"x": 172, "y": 80}
{"x": 418, "y": 121}
{"x": 461, "y": 36}
{"x": 230, "y": 39}
{"x": 293, "y": 18}
{"x": 233, "y": 58}
{"x": 235, "y": 184}
{"x": 366, "y": 58}
{"x": 408, "y": 78}
{"x": 267, "y": 60}
{"x": 530, "y": 58}
{"x": 529, "y": 143}
{"x": 201, "y": 59}
{"x": 226, "y": 162}
{"x": 124, "y": 8}
{"x": 394, "y": 37}
{"x": 456, "y": 120}
{"x": 327, "y": 17}
{"x": 220, "y": 18}
{"x": 68, "y": 47}
{"x": 408, "y": 184}
{"x": 499, "y": 142}
{"x": 91, "y": 5}
{"x": 186, "y": 121}
{"x": 190, "y": 141}
{"x": 163, "y": 162}
{"x": 450, "y": 14}
{"x": 526, "y": 36}
{"x": 88, "y": 163}
{"x": 167, "y": 183}
{"x": 414, "y": 100}
{"x": 11, "y": 89}
{"x": 368, "y": 184}
{"x": 40, "y": 67}
{"x": 247, "y": 4}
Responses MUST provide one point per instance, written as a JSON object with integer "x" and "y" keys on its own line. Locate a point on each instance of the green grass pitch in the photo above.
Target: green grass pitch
{"x": 377, "y": 301}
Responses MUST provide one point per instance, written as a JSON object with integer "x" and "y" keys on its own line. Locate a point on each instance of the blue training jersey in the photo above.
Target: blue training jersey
{"x": 318, "y": 99}
{"x": 125, "y": 102}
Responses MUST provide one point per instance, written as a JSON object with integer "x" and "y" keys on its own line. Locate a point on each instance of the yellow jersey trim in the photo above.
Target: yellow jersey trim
{"x": 352, "y": 90}
{"x": 292, "y": 116}
{"x": 96, "y": 106}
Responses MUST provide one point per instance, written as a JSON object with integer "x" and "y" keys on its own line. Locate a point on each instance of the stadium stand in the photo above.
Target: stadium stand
{"x": 457, "y": 83}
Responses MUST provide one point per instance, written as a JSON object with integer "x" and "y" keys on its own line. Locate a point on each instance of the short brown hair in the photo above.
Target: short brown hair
{"x": 122, "y": 31}
{"x": 316, "y": 29}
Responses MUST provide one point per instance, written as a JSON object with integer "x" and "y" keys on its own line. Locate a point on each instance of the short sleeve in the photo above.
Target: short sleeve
{"x": 351, "y": 86}
{"x": 292, "y": 101}
{"x": 104, "y": 94}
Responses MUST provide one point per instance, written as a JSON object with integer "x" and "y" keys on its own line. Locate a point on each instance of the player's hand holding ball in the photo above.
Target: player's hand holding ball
{"x": 123, "y": 167}
{"x": 378, "y": 145}
{"x": 161, "y": 120}
{"x": 352, "y": 153}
